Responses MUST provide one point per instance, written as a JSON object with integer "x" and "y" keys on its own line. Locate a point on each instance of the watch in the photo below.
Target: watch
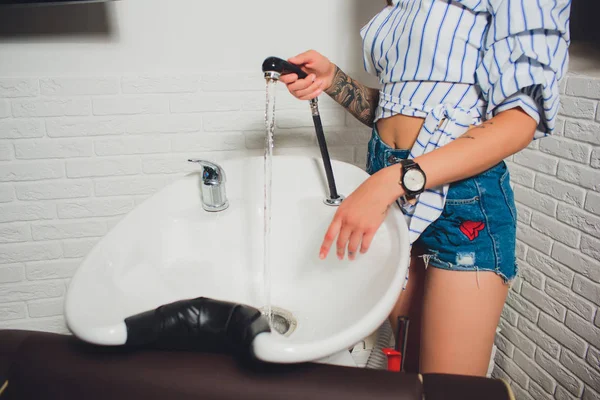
{"x": 413, "y": 178}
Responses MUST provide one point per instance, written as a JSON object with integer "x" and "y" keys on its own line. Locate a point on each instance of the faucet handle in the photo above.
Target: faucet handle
{"x": 214, "y": 197}
{"x": 212, "y": 174}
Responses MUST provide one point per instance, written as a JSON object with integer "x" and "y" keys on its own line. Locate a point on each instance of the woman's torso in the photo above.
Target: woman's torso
{"x": 399, "y": 131}
{"x": 424, "y": 52}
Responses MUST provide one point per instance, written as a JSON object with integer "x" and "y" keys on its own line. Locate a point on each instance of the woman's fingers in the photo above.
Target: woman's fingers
{"x": 355, "y": 239}
{"x": 343, "y": 237}
{"x": 330, "y": 236}
{"x": 347, "y": 238}
{"x": 366, "y": 241}
{"x": 304, "y": 58}
{"x": 288, "y": 78}
{"x": 310, "y": 87}
{"x": 301, "y": 84}
{"x": 306, "y": 89}
{"x": 312, "y": 95}
{"x": 310, "y": 92}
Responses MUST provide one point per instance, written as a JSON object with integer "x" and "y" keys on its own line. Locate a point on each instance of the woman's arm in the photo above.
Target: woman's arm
{"x": 479, "y": 149}
{"x": 360, "y": 101}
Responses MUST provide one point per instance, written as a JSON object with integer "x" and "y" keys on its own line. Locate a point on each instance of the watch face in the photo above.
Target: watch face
{"x": 414, "y": 180}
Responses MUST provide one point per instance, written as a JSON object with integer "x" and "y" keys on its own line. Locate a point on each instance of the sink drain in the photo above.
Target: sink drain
{"x": 282, "y": 322}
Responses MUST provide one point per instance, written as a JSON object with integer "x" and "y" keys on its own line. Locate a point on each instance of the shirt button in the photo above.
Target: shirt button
{"x": 392, "y": 159}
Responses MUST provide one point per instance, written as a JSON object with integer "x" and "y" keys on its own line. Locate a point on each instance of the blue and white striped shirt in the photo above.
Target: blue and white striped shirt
{"x": 459, "y": 62}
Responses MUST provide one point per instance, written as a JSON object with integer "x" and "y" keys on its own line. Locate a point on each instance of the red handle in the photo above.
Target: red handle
{"x": 394, "y": 359}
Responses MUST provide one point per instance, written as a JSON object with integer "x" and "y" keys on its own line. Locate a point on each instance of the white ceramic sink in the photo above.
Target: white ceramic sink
{"x": 168, "y": 249}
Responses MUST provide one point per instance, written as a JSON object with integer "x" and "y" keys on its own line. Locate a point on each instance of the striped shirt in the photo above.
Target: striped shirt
{"x": 459, "y": 62}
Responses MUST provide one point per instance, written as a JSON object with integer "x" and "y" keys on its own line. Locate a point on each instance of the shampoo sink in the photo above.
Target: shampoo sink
{"x": 169, "y": 248}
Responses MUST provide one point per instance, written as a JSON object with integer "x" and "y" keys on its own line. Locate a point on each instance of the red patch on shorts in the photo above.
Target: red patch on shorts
{"x": 471, "y": 229}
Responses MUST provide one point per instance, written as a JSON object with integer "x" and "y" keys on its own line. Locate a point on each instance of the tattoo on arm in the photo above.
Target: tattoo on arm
{"x": 482, "y": 126}
{"x": 359, "y": 100}
{"x": 485, "y": 125}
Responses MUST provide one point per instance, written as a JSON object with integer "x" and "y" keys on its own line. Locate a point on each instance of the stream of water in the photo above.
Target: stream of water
{"x": 268, "y": 158}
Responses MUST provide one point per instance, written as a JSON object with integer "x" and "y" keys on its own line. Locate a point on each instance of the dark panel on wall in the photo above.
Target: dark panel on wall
{"x": 585, "y": 25}
{"x": 48, "y": 2}
{"x": 69, "y": 20}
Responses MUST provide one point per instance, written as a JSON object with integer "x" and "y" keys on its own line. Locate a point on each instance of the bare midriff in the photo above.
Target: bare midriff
{"x": 399, "y": 131}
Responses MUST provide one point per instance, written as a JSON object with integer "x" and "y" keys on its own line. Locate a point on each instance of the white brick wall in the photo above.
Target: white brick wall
{"x": 4, "y": 109}
{"x": 19, "y": 87}
{"x": 78, "y": 86}
{"x": 161, "y": 84}
{"x": 50, "y": 107}
{"x": 78, "y": 153}
{"x": 553, "y": 324}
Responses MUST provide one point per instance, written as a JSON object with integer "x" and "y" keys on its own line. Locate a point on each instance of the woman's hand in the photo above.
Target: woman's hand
{"x": 320, "y": 75}
{"x": 360, "y": 215}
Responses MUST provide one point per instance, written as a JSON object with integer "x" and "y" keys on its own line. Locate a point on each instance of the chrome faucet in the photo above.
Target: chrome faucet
{"x": 212, "y": 187}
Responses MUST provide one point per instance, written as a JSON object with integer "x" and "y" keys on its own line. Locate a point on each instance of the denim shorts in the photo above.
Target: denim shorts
{"x": 477, "y": 228}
